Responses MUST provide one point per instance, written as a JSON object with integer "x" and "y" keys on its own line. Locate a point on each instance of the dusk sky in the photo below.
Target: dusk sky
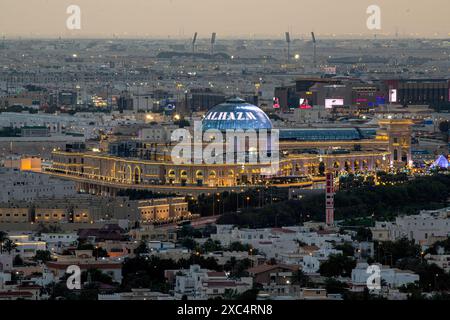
{"x": 229, "y": 18}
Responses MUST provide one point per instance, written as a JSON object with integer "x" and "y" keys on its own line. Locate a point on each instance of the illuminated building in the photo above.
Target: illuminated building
{"x": 236, "y": 114}
{"x": 435, "y": 92}
{"x": 335, "y": 149}
{"x": 84, "y": 209}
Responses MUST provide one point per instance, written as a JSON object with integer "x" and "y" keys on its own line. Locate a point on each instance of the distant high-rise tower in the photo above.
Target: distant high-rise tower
{"x": 213, "y": 41}
{"x": 329, "y": 199}
{"x": 288, "y": 41}
{"x": 313, "y": 36}
{"x": 194, "y": 39}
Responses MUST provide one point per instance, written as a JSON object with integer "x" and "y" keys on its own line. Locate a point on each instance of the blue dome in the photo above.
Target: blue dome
{"x": 236, "y": 114}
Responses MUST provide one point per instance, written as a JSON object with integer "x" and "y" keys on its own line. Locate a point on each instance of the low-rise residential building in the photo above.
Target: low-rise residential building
{"x": 6, "y": 262}
{"x": 441, "y": 260}
{"x": 267, "y": 274}
{"x": 27, "y": 247}
{"x": 149, "y": 232}
{"x": 58, "y": 242}
{"x": 200, "y": 284}
{"x": 394, "y": 278}
{"x": 85, "y": 261}
{"x": 28, "y": 186}
{"x": 420, "y": 228}
{"x": 87, "y": 209}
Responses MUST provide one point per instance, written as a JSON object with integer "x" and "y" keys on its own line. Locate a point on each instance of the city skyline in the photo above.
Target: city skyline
{"x": 179, "y": 20}
{"x": 142, "y": 158}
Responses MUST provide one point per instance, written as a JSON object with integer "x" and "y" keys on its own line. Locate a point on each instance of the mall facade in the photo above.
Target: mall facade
{"x": 303, "y": 152}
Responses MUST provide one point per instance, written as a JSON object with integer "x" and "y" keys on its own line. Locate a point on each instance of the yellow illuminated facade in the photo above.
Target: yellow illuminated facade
{"x": 391, "y": 147}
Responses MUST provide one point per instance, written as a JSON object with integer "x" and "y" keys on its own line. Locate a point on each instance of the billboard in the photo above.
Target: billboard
{"x": 330, "y": 103}
{"x": 380, "y": 100}
{"x": 393, "y": 95}
{"x": 276, "y": 103}
{"x": 304, "y": 104}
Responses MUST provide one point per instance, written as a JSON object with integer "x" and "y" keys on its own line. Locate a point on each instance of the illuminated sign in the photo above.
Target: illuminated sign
{"x": 304, "y": 104}
{"x": 380, "y": 100}
{"x": 276, "y": 103}
{"x": 330, "y": 103}
{"x": 230, "y": 116}
{"x": 393, "y": 95}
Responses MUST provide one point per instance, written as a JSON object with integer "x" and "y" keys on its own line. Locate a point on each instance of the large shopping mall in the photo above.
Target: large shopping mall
{"x": 303, "y": 153}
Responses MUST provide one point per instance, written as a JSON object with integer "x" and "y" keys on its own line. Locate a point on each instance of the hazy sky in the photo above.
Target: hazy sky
{"x": 229, "y": 18}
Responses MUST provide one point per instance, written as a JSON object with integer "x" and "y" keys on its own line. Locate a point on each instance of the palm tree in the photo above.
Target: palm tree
{"x": 9, "y": 245}
{"x": 3, "y": 237}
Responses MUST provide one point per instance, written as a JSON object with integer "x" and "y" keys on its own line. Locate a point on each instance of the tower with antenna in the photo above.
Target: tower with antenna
{"x": 288, "y": 41}
{"x": 213, "y": 42}
{"x": 329, "y": 199}
{"x": 314, "y": 49}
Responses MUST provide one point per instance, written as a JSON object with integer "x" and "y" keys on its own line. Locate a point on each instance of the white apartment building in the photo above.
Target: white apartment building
{"x": 421, "y": 228}
{"x": 6, "y": 262}
{"x": 311, "y": 262}
{"x": 28, "y": 186}
{"x": 441, "y": 260}
{"x": 394, "y": 278}
{"x": 86, "y": 261}
{"x": 276, "y": 242}
{"x": 201, "y": 284}
{"x": 222, "y": 257}
{"x": 26, "y": 247}
{"x": 57, "y": 242}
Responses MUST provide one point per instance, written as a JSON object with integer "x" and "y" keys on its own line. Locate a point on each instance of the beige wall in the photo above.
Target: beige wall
{"x": 14, "y": 215}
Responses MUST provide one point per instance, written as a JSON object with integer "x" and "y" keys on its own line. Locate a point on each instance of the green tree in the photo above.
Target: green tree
{"x": 237, "y": 268}
{"x": 141, "y": 248}
{"x": 18, "y": 261}
{"x": 95, "y": 275}
{"x": 189, "y": 243}
{"x": 9, "y": 245}
{"x": 443, "y": 245}
{"x": 240, "y": 247}
{"x": 3, "y": 237}
{"x": 210, "y": 246}
{"x": 363, "y": 234}
{"x": 337, "y": 265}
{"x": 249, "y": 295}
{"x": 43, "y": 256}
{"x": 444, "y": 126}
{"x": 334, "y": 286}
{"x": 390, "y": 252}
{"x": 346, "y": 248}
{"x": 302, "y": 279}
